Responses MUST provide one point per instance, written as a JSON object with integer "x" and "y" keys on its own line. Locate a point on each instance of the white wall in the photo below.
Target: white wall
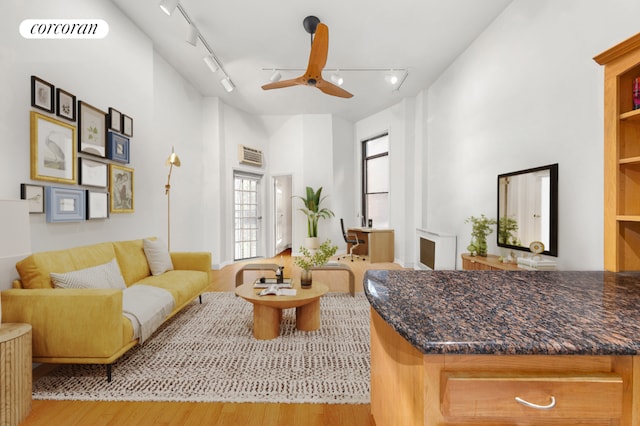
{"x": 120, "y": 71}
{"x": 527, "y": 93}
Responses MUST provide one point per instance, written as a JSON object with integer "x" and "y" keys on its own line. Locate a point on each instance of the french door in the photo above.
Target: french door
{"x": 247, "y": 215}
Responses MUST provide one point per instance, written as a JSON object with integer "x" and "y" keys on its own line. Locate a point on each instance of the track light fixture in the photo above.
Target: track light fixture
{"x": 192, "y": 35}
{"x": 276, "y": 76}
{"x": 336, "y": 78}
{"x": 391, "y": 78}
{"x": 211, "y": 63}
{"x": 168, "y": 6}
{"x": 227, "y": 84}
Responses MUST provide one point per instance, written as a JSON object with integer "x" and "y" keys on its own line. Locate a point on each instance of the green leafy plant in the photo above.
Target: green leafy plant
{"x": 507, "y": 227}
{"x": 318, "y": 258}
{"x": 481, "y": 227}
{"x": 313, "y": 211}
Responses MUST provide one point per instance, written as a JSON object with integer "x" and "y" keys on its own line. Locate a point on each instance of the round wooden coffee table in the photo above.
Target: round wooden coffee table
{"x": 267, "y": 310}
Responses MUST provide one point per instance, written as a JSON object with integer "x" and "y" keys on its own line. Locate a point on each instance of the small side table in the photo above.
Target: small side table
{"x": 15, "y": 373}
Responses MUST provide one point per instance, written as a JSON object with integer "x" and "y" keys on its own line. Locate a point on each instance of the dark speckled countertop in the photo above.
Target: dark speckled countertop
{"x": 513, "y": 312}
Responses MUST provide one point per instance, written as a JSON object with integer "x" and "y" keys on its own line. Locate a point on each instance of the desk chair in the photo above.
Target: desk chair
{"x": 353, "y": 240}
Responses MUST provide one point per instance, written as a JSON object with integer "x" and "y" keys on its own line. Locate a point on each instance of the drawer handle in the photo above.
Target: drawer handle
{"x": 536, "y": 406}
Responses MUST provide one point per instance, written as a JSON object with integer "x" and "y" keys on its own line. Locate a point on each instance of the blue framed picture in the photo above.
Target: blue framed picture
{"x": 65, "y": 204}
{"x": 117, "y": 147}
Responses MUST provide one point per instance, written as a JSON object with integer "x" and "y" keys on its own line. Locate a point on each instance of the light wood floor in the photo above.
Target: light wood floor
{"x": 168, "y": 413}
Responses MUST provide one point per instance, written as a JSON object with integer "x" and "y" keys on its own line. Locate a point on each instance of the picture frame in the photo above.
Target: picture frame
{"x": 34, "y": 194}
{"x": 127, "y": 125}
{"x": 65, "y": 204}
{"x": 92, "y": 173}
{"x": 97, "y": 205}
{"x": 42, "y": 94}
{"x": 92, "y": 134}
{"x": 65, "y": 105}
{"x": 114, "y": 120}
{"x": 121, "y": 189}
{"x": 117, "y": 147}
{"x": 53, "y": 155}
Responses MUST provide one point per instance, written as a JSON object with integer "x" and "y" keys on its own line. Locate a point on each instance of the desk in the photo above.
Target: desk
{"x": 378, "y": 243}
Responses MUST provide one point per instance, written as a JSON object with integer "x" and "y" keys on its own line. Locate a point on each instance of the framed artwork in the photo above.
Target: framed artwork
{"x": 114, "y": 120}
{"x": 121, "y": 189}
{"x": 53, "y": 155}
{"x": 65, "y": 204}
{"x": 127, "y": 125}
{"x": 92, "y": 173}
{"x": 41, "y": 94}
{"x": 92, "y": 129}
{"x": 65, "y": 105}
{"x": 97, "y": 205}
{"x": 34, "y": 194}
{"x": 117, "y": 147}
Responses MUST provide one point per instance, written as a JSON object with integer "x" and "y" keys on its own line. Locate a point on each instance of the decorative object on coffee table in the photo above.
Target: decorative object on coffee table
{"x": 309, "y": 260}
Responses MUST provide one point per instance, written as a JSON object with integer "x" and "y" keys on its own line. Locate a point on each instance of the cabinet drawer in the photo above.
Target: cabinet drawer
{"x": 586, "y": 396}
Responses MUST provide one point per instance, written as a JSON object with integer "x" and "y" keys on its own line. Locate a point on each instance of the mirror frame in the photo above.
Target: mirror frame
{"x": 552, "y": 250}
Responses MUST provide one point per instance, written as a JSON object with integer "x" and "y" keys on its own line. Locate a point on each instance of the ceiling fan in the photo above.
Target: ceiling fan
{"x": 317, "y": 60}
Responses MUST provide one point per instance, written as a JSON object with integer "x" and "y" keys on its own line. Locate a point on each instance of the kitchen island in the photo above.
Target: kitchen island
{"x": 496, "y": 347}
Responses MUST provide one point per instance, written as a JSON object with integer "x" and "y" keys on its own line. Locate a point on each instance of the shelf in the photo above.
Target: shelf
{"x": 629, "y": 160}
{"x": 631, "y": 115}
{"x": 628, "y": 218}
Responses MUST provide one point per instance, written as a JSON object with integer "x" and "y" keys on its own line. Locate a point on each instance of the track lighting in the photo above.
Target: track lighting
{"x": 211, "y": 63}
{"x": 337, "y": 79}
{"x": 276, "y": 76}
{"x": 192, "y": 35}
{"x": 391, "y": 78}
{"x": 227, "y": 84}
{"x": 168, "y": 6}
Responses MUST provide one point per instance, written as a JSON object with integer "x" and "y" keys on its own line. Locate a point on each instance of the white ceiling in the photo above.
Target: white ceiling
{"x": 422, "y": 36}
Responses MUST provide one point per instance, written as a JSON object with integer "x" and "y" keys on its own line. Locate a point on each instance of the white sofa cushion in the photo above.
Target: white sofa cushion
{"x": 157, "y": 256}
{"x": 107, "y": 275}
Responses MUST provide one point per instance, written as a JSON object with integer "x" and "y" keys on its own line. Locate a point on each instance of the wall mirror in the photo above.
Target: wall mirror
{"x": 528, "y": 209}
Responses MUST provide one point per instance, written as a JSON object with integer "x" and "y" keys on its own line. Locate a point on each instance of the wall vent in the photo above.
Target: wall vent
{"x": 250, "y": 156}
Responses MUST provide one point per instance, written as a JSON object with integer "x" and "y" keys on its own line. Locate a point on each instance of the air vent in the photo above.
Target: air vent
{"x": 250, "y": 156}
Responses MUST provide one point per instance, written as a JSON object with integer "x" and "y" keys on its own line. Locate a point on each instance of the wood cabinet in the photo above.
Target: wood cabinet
{"x": 411, "y": 388}
{"x": 621, "y": 157}
{"x": 15, "y": 373}
{"x": 489, "y": 263}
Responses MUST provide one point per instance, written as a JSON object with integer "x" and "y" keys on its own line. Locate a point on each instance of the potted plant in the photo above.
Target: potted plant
{"x": 481, "y": 227}
{"x": 313, "y": 212}
{"x": 507, "y": 227}
{"x": 309, "y": 260}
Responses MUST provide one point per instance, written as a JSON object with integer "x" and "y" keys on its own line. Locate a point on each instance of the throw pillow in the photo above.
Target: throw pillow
{"x": 157, "y": 256}
{"x": 107, "y": 275}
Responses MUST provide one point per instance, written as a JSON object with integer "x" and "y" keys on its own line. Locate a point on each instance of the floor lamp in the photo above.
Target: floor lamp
{"x": 173, "y": 160}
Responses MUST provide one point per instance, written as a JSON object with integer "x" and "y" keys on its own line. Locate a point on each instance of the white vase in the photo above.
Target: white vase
{"x": 312, "y": 243}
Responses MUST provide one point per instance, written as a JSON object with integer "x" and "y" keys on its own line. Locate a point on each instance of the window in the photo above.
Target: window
{"x": 247, "y": 215}
{"x": 375, "y": 180}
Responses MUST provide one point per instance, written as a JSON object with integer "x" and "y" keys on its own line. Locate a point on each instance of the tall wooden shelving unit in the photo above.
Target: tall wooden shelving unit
{"x": 621, "y": 157}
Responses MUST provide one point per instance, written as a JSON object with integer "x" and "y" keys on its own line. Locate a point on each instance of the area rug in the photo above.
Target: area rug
{"x": 207, "y": 353}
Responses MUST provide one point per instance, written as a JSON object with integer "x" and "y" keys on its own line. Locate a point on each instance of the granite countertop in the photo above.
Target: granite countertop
{"x": 510, "y": 312}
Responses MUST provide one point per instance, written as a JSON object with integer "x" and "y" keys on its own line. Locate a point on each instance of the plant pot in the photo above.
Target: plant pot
{"x": 305, "y": 278}
{"x": 312, "y": 243}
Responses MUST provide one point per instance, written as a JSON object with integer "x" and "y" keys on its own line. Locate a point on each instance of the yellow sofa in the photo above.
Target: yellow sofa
{"x": 87, "y": 326}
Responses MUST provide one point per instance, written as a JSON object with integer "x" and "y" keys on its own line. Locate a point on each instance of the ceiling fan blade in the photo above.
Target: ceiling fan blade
{"x": 284, "y": 83}
{"x": 332, "y": 89}
{"x": 319, "y": 51}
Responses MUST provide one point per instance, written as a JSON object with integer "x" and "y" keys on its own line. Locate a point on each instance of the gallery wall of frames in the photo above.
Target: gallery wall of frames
{"x": 83, "y": 151}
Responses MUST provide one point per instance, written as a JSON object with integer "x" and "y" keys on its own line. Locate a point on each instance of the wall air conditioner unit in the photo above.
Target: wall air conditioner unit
{"x": 250, "y": 156}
